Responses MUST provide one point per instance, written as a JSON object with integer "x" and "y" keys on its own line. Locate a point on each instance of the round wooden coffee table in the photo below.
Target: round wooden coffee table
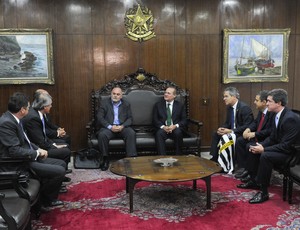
{"x": 187, "y": 168}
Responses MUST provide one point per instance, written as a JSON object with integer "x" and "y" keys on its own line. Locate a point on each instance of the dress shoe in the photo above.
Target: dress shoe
{"x": 68, "y": 171}
{"x": 56, "y": 203}
{"x": 259, "y": 197}
{"x": 67, "y": 179}
{"x": 63, "y": 190}
{"x": 105, "y": 165}
{"x": 246, "y": 179}
{"x": 249, "y": 185}
{"x": 241, "y": 175}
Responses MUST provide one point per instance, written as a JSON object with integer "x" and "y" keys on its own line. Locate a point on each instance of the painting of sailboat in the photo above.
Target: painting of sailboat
{"x": 263, "y": 56}
{"x": 255, "y": 55}
{"x": 245, "y": 65}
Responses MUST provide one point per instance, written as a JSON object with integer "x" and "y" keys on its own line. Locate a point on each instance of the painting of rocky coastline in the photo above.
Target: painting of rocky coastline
{"x": 25, "y": 58}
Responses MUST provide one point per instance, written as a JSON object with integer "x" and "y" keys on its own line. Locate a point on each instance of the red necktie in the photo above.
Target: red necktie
{"x": 261, "y": 122}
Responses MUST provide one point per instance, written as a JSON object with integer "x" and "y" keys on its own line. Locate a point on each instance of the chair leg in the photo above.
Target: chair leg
{"x": 290, "y": 191}
{"x": 285, "y": 187}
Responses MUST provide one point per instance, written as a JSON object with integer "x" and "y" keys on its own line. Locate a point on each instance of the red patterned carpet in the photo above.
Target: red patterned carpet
{"x": 97, "y": 200}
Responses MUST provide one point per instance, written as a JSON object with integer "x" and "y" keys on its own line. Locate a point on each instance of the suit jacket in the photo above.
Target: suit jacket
{"x": 51, "y": 129}
{"x": 266, "y": 128}
{"x": 13, "y": 143}
{"x": 243, "y": 118}
{"x": 34, "y": 129}
{"x": 160, "y": 114}
{"x": 285, "y": 135}
{"x": 105, "y": 115}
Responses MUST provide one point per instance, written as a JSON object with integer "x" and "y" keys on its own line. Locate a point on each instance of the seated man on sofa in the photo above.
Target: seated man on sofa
{"x": 169, "y": 119}
{"x": 113, "y": 120}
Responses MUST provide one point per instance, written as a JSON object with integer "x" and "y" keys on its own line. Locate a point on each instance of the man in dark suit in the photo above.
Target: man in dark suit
{"x": 34, "y": 124}
{"x": 239, "y": 116}
{"x": 171, "y": 126}
{"x": 14, "y": 143}
{"x": 258, "y": 130}
{"x": 113, "y": 120}
{"x": 56, "y": 133}
{"x": 275, "y": 149}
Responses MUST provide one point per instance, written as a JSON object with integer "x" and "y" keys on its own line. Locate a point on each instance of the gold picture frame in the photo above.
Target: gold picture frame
{"x": 255, "y": 55}
{"x": 26, "y": 56}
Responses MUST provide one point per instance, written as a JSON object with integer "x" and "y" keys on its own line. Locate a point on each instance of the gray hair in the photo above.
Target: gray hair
{"x": 41, "y": 101}
{"x": 232, "y": 91}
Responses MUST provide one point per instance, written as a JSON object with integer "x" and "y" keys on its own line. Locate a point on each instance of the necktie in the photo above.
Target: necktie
{"x": 231, "y": 118}
{"x": 276, "y": 121}
{"x": 26, "y": 138}
{"x": 169, "y": 116}
{"x": 261, "y": 122}
{"x": 44, "y": 128}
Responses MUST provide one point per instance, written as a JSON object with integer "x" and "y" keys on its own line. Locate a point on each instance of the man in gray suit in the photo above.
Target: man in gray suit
{"x": 113, "y": 120}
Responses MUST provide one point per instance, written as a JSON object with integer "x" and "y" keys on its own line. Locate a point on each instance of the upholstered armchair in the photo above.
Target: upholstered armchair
{"x": 26, "y": 188}
{"x": 14, "y": 210}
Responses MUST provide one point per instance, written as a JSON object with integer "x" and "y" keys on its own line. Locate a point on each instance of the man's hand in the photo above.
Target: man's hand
{"x": 117, "y": 128}
{"x": 61, "y": 132}
{"x": 221, "y": 131}
{"x": 256, "y": 149}
{"x": 247, "y": 134}
{"x": 170, "y": 128}
{"x": 43, "y": 153}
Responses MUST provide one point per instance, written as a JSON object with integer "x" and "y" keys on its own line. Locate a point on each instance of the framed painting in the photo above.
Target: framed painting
{"x": 26, "y": 56}
{"x": 255, "y": 55}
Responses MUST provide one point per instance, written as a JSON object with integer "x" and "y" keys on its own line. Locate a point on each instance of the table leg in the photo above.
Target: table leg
{"x": 130, "y": 183}
{"x": 194, "y": 184}
{"x": 127, "y": 183}
{"x": 208, "y": 191}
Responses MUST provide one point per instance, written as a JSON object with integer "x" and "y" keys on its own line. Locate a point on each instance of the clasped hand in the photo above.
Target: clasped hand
{"x": 43, "y": 153}
{"x": 221, "y": 131}
{"x": 117, "y": 128}
{"x": 170, "y": 128}
{"x": 256, "y": 149}
{"x": 61, "y": 132}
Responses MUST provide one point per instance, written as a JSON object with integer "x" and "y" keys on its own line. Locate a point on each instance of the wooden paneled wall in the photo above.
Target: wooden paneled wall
{"x": 90, "y": 49}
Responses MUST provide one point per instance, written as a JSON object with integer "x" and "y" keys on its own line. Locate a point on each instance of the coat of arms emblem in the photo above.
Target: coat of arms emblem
{"x": 139, "y": 23}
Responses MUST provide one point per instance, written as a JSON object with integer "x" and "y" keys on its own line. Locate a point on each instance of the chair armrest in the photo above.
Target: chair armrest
{"x": 90, "y": 127}
{"x": 11, "y": 179}
{"x": 296, "y": 156}
{"x": 197, "y": 124}
{"x": 4, "y": 214}
{"x": 14, "y": 159}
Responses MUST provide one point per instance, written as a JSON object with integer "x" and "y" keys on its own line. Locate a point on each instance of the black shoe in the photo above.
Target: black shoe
{"x": 56, "y": 203}
{"x": 105, "y": 165}
{"x": 258, "y": 198}
{"x": 249, "y": 185}
{"x": 68, "y": 171}
{"x": 246, "y": 179}
{"x": 63, "y": 190}
{"x": 241, "y": 175}
{"x": 67, "y": 179}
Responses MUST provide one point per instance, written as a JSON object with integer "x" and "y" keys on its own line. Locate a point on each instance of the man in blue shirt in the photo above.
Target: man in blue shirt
{"x": 113, "y": 120}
